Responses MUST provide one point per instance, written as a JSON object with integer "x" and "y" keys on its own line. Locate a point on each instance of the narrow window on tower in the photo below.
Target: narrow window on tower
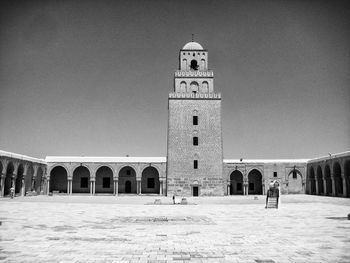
{"x": 195, "y": 141}
{"x": 195, "y": 120}
{"x": 195, "y": 164}
{"x": 274, "y": 174}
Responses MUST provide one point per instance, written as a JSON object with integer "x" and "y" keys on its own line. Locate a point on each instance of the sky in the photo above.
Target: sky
{"x": 91, "y": 78}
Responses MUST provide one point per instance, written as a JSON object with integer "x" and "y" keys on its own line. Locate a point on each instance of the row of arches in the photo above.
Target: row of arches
{"x": 193, "y": 64}
{"x": 254, "y": 183}
{"x": 104, "y": 182}
{"x": 22, "y": 179}
{"x": 331, "y": 181}
{"x": 195, "y": 87}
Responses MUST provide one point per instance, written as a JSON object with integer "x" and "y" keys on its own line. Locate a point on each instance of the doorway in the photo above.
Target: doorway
{"x": 128, "y": 187}
{"x": 195, "y": 190}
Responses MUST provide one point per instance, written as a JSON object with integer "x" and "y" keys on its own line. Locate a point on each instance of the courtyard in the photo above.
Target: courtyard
{"x": 81, "y": 228}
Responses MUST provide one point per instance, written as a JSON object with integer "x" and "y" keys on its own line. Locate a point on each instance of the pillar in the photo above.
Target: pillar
{"x": 90, "y": 187}
{"x": 48, "y": 185}
{"x": 324, "y": 186}
{"x": 344, "y": 185}
{"x": 2, "y": 185}
{"x": 115, "y": 191}
{"x": 23, "y": 186}
{"x": 316, "y": 184}
{"x": 13, "y": 183}
{"x": 138, "y": 183}
{"x": 32, "y": 184}
{"x": 160, "y": 187}
{"x": 93, "y": 187}
{"x": 333, "y": 185}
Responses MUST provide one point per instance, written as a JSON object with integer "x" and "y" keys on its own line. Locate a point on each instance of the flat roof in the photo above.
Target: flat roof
{"x": 266, "y": 161}
{"x": 21, "y": 157}
{"x": 95, "y": 159}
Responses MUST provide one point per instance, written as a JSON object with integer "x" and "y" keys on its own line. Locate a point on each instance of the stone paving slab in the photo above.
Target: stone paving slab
{"x": 64, "y": 229}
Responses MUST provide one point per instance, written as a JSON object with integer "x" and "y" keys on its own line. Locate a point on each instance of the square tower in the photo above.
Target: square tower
{"x": 194, "y": 150}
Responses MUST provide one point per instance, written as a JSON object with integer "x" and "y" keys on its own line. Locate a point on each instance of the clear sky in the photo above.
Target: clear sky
{"x": 93, "y": 77}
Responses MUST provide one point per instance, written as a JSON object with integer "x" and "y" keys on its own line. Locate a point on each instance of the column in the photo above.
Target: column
{"x": 116, "y": 187}
{"x": 343, "y": 179}
{"x": 333, "y": 185}
{"x": 23, "y": 187}
{"x": 2, "y": 184}
{"x": 316, "y": 184}
{"x": 68, "y": 187}
{"x": 48, "y": 185}
{"x": 324, "y": 186}
{"x": 32, "y": 184}
{"x": 90, "y": 187}
{"x": 138, "y": 182}
{"x": 160, "y": 187}
{"x": 93, "y": 187}
{"x": 13, "y": 183}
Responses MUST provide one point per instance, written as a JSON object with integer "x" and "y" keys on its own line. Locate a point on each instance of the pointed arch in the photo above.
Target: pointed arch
{"x": 150, "y": 180}
{"x": 236, "y": 183}
{"x": 295, "y": 182}
{"x": 58, "y": 179}
{"x": 255, "y": 182}
{"x": 338, "y": 180}
{"x": 104, "y": 180}
{"x": 312, "y": 181}
{"x": 127, "y": 180}
{"x": 319, "y": 180}
{"x": 81, "y": 180}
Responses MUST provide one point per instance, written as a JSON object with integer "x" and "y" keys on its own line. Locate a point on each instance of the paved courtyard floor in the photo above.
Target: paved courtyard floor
{"x": 212, "y": 229}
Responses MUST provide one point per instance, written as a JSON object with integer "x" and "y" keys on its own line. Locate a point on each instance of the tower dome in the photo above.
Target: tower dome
{"x": 192, "y": 46}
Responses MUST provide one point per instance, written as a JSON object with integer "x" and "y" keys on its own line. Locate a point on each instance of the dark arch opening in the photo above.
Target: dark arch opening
{"x": 312, "y": 181}
{"x": 81, "y": 180}
{"x": 320, "y": 180}
{"x": 104, "y": 180}
{"x": 127, "y": 187}
{"x": 338, "y": 181}
{"x": 127, "y": 174}
{"x": 28, "y": 179}
{"x": 38, "y": 183}
{"x": 194, "y": 64}
{"x": 347, "y": 177}
{"x": 236, "y": 183}
{"x": 19, "y": 179}
{"x": 327, "y": 176}
{"x": 150, "y": 181}
{"x": 255, "y": 182}
{"x": 8, "y": 178}
{"x": 58, "y": 179}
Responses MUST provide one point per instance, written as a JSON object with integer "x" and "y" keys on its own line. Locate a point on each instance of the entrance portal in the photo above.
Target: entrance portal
{"x": 195, "y": 190}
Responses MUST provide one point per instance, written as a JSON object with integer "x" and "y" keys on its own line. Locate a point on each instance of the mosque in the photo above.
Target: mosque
{"x": 194, "y": 165}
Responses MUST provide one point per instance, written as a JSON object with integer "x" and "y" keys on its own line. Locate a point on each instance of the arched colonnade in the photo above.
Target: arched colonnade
{"x": 25, "y": 175}
{"x": 329, "y": 177}
{"x": 113, "y": 179}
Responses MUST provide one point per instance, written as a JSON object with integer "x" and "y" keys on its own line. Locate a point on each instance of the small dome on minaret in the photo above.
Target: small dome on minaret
{"x": 192, "y": 46}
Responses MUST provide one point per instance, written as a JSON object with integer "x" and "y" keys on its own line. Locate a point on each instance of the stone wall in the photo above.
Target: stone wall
{"x": 182, "y": 177}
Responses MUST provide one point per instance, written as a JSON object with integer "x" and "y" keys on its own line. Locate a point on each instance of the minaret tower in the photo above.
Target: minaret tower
{"x": 194, "y": 150}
